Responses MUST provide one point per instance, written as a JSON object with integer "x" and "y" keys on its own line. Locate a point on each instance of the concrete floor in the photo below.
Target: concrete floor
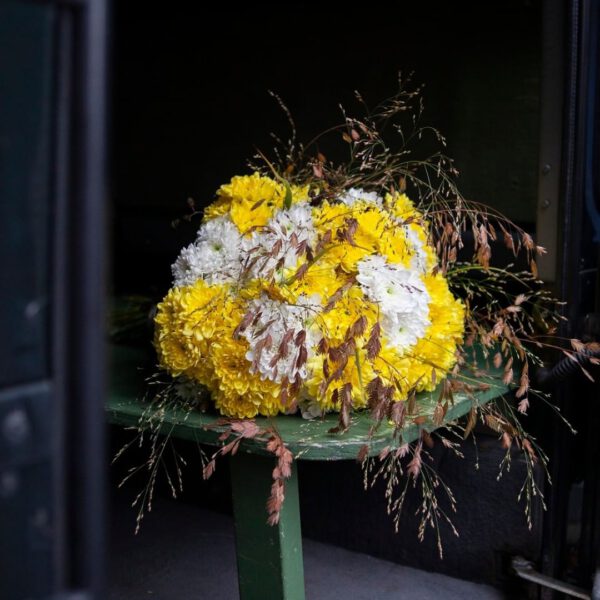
{"x": 186, "y": 553}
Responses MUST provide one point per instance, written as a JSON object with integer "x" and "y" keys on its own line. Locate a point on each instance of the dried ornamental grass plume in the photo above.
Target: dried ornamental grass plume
{"x": 316, "y": 286}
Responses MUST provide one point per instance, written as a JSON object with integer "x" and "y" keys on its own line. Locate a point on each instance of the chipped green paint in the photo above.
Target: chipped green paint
{"x": 269, "y": 558}
{"x": 307, "y": 440}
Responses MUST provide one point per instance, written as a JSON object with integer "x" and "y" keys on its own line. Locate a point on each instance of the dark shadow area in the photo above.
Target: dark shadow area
{"x": 191, "y": 104}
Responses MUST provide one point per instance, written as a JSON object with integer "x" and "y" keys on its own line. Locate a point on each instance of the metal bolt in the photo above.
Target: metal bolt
{"x": 546, "y": 203}
{"x": 15, "y": 427}
{"x": 546, "y": 169}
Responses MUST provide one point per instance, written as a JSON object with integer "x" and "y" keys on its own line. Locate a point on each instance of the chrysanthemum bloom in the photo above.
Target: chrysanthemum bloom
{"x": 279, "y": 304}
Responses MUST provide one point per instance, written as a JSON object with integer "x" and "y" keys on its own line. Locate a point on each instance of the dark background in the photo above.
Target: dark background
{"x": 190, "y": 102}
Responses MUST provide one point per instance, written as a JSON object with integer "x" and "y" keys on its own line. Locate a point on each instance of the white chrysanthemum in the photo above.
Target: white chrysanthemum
{"x": 353, "y": 195}
{"x": 402, "y": 298}
{"x": 281, "y": 323}
{"x": 215, "y": 256}
{"x": 295, "y": 220}
{"x": 419, "y": 256}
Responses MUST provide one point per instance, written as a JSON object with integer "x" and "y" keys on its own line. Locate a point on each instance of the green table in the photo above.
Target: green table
{"x": 269, "y": 558}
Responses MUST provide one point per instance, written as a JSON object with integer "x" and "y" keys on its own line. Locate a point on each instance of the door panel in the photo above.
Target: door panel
{"x": 52, "y": 122}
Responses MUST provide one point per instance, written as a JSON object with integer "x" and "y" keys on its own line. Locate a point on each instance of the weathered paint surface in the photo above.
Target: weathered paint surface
{"x": 269, "y": 558}
{"x": 307, "y": 440}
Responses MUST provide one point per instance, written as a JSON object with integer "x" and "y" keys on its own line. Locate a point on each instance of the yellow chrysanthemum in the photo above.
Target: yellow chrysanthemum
{"x": 334, "y": 325}
{"x": 251, "y": 200}
{"x": 401, "y": 206}
{"x": 194, "y": 337}
{"x": 375, "y": 248}
{"x": 239, "y": 393}
{"x": 182, "y": 333}
{"x": 376, "y": 232}
{"x": 438, "y": 345}
{"x": 436, "y": 350}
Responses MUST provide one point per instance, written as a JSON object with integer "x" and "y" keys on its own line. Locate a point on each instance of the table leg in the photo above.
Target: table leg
{"x": 269, "y": 558}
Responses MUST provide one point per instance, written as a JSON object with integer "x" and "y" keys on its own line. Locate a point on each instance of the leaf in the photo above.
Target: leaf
{"x": 287, "y": 202}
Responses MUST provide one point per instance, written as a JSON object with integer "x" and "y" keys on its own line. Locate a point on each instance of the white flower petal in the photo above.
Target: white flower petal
{"x": 215, "y": 256}
{"x": 402, "y": 298}
{"x": 354, "y": 195}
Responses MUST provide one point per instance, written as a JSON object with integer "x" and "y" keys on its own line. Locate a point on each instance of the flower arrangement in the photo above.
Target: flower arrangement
{"x": 283, "y": 303}
{"x": 317, "y": 286}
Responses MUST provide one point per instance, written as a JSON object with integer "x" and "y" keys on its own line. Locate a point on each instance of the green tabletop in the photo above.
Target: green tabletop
{"x": 307, "y": 439}
{"x": 269, "y": 558}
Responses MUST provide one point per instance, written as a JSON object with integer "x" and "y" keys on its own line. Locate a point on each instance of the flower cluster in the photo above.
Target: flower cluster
{"x": 285, "y": 303}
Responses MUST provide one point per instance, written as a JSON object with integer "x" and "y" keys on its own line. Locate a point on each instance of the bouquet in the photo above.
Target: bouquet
{"x": 290, "y": 299}
{"x": 317, "y": 285}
